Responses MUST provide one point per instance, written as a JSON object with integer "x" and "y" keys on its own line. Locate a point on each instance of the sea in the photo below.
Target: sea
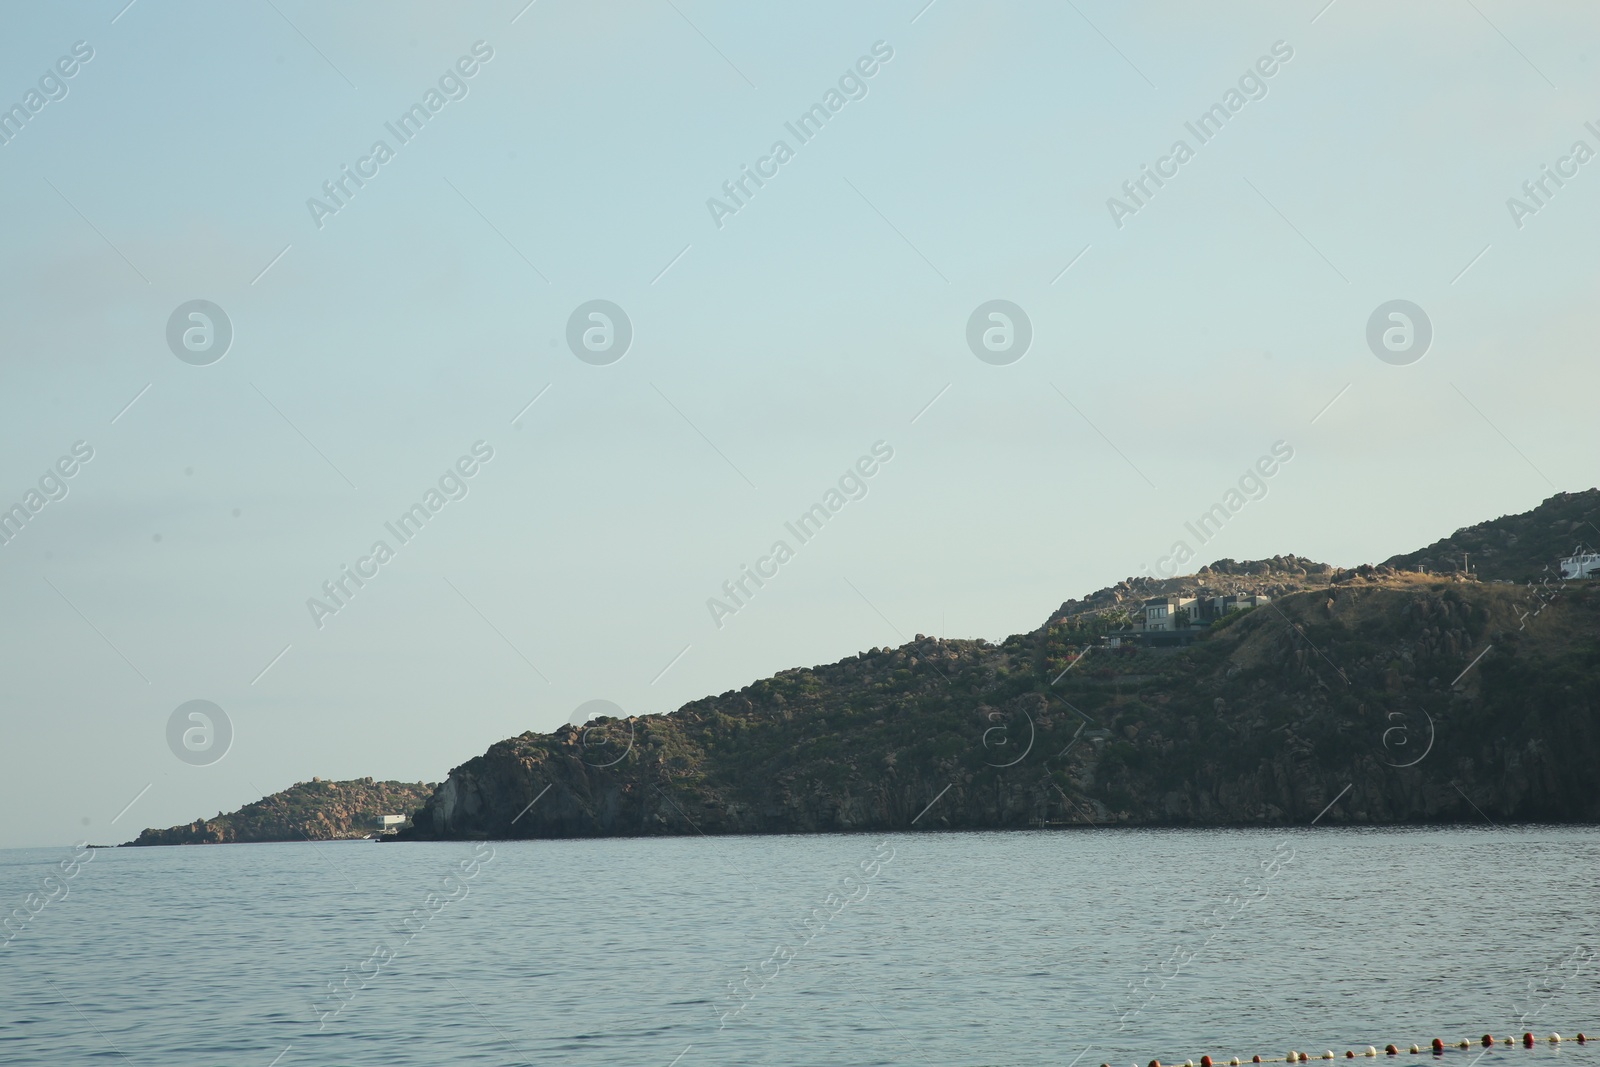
{"x": 1063, "y": 947}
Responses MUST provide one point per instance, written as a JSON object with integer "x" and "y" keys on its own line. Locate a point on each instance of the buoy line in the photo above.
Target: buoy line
{"x": 1437, "y": 1047}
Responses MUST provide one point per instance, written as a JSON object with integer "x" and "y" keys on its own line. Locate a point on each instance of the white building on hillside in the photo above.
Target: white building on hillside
{"x": 1160, "y": 613}
{"x": 1585, "y": 565}
{"x": 1221, "y": 605}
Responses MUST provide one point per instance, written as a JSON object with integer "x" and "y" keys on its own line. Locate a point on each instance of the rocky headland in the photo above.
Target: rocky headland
{"x": 1456, "y": 684}
{"x": 317, "y": 810}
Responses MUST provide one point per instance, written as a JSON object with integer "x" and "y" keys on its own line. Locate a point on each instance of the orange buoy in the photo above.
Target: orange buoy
{"x": 1390, "y": 1050}
{"x": 1527, "y": 1040}
{"x": 1488, "y": 1039}
{"x": 1438, "y": 1047}
{"x": 1155, "y": 1063}
{"x": 1205, "y": 1061}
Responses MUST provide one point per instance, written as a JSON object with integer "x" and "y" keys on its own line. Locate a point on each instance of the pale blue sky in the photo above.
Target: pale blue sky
{"x": 776, "y": 350}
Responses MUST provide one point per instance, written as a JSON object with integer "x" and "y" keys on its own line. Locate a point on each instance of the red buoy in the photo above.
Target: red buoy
{"x": 1205, "y": 1061}
{"x": 1581, "y": 1039}
{"x": 1438, "y": 1047}
{"x": 1155, "y": 1063}
{"x": 1349, "y": 1055}
{"x": 1255, "y": 1059}
{"x": 1488, "y": 1039}
{"x": 1527, "y": 1040}
{"x": 1390, "y": 1050}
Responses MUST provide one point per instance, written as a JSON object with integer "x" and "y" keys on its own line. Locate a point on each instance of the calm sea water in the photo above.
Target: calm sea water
{"x": 1014, "y": 948}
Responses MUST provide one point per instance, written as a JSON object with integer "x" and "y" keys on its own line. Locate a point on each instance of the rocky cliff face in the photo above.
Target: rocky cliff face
{"x": 1382, "y": 696}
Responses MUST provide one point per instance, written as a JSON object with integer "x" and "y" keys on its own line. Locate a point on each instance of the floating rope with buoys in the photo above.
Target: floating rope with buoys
{"x": 1437, "y": 1047}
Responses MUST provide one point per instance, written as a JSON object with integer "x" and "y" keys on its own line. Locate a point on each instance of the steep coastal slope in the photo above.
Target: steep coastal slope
{"x": 317, "y": 810}
{"x": 1381, "y": 694}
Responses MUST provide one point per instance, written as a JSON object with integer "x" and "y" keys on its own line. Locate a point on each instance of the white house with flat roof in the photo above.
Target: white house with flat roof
{"x": 1583, "y": 565}
{"x": 1160, "y": 613}
{"x": 1221, "y": 605}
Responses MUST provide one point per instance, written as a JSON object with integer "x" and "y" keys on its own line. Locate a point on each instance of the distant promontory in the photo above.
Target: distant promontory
{"x": 317, "y": 810}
